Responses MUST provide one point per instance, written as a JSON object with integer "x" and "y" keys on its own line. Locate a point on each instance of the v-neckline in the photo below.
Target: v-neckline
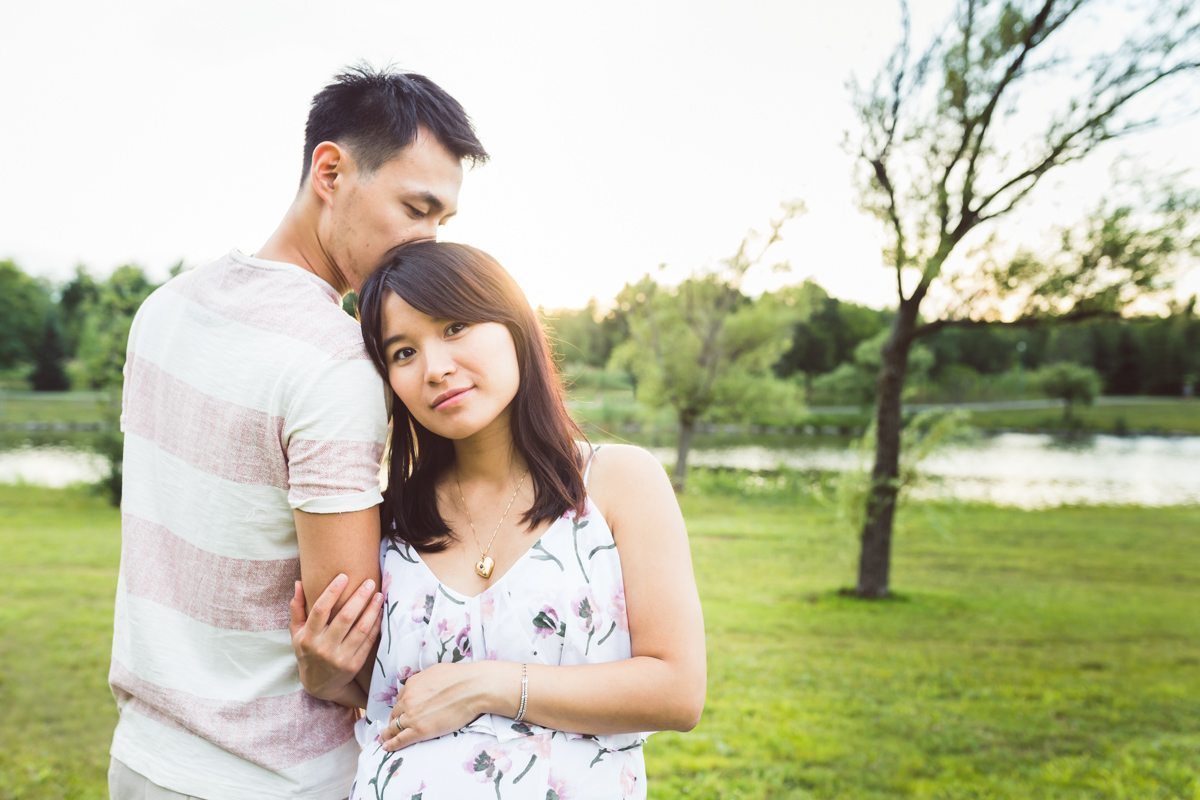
{"x": 519, "y": 562}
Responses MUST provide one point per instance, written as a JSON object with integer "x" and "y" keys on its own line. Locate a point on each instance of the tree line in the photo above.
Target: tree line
{"x": 833, "y": 347}
{"x": 947, "y": 146}
{"x": 72, "y": 336}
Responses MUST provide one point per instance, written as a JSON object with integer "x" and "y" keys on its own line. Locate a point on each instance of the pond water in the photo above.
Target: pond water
{"x": 51, "y": 466}
{"x": 1014, "y": 469}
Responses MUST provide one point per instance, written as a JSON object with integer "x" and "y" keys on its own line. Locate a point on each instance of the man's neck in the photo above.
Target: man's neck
{"x": 295, "y": 241}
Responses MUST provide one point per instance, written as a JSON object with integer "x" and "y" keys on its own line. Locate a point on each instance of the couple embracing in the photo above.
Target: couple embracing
{"x": 508, "y": 618}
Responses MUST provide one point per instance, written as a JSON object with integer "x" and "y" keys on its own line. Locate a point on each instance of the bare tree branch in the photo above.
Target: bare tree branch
{"x": 1092, "y": 128}
{"x": 893, "y": 212}
{"x": 1036, "y": 33}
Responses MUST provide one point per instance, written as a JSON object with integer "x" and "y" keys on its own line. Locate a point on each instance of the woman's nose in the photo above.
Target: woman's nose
{"x": 438, "y": 365}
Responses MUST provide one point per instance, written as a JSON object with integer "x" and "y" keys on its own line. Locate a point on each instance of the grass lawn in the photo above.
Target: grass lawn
{"x": 53, "y": 407}
{"x": 1163, "y": 416}
{"x": 58, "y": 576}
{"x": 1050, "y": 654}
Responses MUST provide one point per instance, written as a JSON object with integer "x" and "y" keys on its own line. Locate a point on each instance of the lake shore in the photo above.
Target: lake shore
{"x": 1050, "y": 654}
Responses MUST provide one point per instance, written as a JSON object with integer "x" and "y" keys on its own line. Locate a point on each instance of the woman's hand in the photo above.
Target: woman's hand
{"x": 447, "y": 697}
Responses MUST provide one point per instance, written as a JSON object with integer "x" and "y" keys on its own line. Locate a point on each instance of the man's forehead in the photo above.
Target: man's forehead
{"x": 435, "y": 183}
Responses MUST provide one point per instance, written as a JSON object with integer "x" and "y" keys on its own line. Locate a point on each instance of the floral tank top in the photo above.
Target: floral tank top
{"x": 561, "y": 603}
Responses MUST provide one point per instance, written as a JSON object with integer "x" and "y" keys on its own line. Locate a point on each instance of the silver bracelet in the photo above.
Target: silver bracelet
{"x": 524, "y": 692}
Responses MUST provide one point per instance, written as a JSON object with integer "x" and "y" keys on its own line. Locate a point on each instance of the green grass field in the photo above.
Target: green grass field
{"x": 1165, "y": 416}
{"x": 53, "y": 407}
{"x": 1051, "y": 654}
{"x": 611, "y": 409}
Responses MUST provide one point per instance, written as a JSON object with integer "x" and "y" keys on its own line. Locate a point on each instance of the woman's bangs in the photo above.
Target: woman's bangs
{"x": 429, "y": 291}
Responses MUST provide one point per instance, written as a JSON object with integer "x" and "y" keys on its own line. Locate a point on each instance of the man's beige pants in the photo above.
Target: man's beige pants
{"x": 125, "y": 784}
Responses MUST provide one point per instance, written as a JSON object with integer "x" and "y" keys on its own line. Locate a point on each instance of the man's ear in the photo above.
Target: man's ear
{"x": 329, "y": 162}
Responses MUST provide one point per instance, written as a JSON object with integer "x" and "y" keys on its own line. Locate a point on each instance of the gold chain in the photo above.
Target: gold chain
{"x": 483, "y": 568}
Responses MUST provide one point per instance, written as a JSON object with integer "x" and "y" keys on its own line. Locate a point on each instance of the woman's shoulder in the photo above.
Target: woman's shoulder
{"x": 623, "y": 475}
{"x": 609, "y": 457}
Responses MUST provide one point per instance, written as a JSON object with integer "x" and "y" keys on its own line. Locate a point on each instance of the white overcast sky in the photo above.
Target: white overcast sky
{"x": 623, "y": 134}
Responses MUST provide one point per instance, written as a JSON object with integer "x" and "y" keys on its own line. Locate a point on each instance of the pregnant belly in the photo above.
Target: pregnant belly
{"x": 477, "y": 765}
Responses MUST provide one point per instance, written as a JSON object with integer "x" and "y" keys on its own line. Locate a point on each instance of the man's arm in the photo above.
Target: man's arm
{"x": 338, "y": 544}
{"x": 340, "y": 552}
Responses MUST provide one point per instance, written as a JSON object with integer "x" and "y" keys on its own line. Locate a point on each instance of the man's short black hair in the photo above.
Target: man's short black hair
{"x": 375, "y": 114}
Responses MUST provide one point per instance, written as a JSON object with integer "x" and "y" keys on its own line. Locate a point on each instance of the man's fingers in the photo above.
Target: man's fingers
{"x": 320, "y": 610}
{"x": 296, "y": 609}
{"x": 350, "y": 612}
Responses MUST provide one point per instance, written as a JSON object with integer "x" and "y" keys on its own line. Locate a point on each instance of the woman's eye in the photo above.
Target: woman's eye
{"x": 403, "y": 354}
{"x": 455, "y": 327}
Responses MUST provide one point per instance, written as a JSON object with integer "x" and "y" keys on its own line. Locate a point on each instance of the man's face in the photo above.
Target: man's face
{"x": 405, "y": 199}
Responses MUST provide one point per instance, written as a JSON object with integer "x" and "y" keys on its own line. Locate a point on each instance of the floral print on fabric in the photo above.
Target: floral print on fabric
{"x": 562, "y": 603}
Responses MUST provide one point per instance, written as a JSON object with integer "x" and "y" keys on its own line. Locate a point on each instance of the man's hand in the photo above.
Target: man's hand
{"x": 331, "y": 653}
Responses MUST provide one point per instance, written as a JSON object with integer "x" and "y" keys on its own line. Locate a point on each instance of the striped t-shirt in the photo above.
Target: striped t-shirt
{"x": 248, "y": 394}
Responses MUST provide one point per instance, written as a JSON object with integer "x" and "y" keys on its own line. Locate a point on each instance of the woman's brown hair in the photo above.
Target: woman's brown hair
{"x": 457, "y": 282}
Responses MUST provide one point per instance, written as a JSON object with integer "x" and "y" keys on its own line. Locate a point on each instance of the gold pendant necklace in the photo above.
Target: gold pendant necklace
{"x": 485, "y": 564}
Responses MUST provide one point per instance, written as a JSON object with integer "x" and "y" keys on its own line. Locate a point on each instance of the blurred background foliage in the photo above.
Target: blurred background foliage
{"x": 822, "y": 351}
{"x": 73, "y": 335}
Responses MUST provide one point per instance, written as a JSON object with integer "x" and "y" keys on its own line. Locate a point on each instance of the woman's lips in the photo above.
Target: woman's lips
{"x": 451, "y": 398}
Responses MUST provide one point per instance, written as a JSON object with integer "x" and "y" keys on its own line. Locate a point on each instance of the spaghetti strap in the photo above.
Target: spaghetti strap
{"x": 588, "y": 468}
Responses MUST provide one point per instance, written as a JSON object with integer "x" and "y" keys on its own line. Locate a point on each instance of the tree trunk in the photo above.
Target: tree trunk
{"x": 874, "y": 563}
{"x": 687, "y": 426}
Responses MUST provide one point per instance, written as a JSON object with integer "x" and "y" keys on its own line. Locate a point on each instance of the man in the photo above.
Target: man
{"x": 254, "y": 425}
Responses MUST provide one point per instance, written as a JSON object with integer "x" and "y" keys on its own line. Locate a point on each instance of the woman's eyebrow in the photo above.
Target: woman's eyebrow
{"x": 391, "y": 340}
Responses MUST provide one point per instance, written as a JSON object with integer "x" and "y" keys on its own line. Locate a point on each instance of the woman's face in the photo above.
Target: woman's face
{"x": 456, "y": 378}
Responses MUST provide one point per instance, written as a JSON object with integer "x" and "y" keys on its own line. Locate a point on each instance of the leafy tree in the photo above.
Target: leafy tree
{"x": 927, "y": 433}
{"x": 945, "y": 150}
{"x": 827, "y": 333}
{"x": 48, "y": 374}
{"x": 108, "y": 318}
{"x": 854, "y": 381}
{"x": 23, "y": 305}
{"x": 703, "y": 348}
{"x": 1127, "y": 378}
{"x": 584, "y": 335}
{"x": 987, "y": 351}
{"x": 77, "y": 295}
{"x": 1070, "y": 382}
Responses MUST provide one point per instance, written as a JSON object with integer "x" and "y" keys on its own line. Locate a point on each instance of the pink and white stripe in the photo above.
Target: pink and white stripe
{"x": 248, "y": 396}
{"x": 236, "y": 292}
{"x": 224, "y": 439}
{"x": 274, "y": 732}
{"x": 306, "y": 474}
{"x": 231, "y": 593}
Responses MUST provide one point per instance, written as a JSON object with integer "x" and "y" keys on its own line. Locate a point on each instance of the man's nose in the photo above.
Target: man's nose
{"x": 427, "y": 229}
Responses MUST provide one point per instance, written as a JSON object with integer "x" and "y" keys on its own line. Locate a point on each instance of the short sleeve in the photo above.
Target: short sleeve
{"x": 334, "y": 435}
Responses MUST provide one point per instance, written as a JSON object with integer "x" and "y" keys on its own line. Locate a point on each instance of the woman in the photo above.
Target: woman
{"x": 540, "y": 609}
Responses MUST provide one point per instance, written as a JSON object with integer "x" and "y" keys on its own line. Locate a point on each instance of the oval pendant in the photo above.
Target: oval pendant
{"x": 484, "y": 567}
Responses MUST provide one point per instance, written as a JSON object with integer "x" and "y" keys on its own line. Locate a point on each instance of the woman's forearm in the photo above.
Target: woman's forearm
{"x": 627, "y": 696}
